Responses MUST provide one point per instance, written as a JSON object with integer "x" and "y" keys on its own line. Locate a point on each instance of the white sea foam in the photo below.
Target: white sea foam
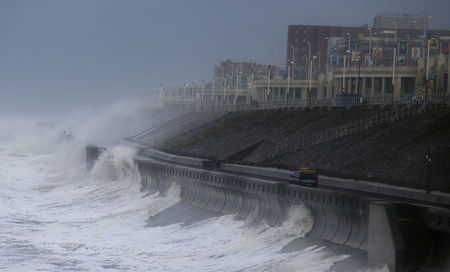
{"x": 57, "y": 217}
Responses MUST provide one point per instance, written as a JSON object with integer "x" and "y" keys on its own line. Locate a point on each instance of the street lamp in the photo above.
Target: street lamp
{"x": 348, "y": 48}
{"x": 428, "y": 57}
{"x": 393, "y": 75}
{"x": 309, "y": 52}
{"x": 232, "y": 73}
{"x": 310, "y": 80}
{"x": 343, "y": 77}
{"x": 412, "y": 25}
{"x": 224, "y": 87}
{"x": 328, "y": 44}
{"x": 213, "y": 91}
{"x": 184, "y": 92}
{"x": 287, "y": 90}
{"x": 318, "y": 63}
{"x": 370, "y": 43}
{"x": 395, "y": 31}
{"x": 348, "y": 35}
{"x": 292, "y": 61}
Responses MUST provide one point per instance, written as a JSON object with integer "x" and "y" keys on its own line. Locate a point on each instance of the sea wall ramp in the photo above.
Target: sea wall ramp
{"x": 399, "y": 234}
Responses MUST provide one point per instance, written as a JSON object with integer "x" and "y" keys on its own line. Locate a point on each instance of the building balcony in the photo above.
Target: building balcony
{"x": 376, "y": 71}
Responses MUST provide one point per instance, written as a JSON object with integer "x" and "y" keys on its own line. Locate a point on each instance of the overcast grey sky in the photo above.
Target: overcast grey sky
{"x": 62, "y": 55}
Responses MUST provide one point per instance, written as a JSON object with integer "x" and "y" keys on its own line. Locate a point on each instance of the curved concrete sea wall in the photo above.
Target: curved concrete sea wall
{"x": 397, "y": 233}
{"x": 339, "y": 218}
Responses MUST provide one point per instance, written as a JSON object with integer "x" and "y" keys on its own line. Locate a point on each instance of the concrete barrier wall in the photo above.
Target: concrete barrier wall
{"x": 256, "y": 194}
{"x": 339, "y": 218}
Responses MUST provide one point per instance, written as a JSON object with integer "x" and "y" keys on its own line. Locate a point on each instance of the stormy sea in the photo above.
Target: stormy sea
{"x": 58, "y": 216}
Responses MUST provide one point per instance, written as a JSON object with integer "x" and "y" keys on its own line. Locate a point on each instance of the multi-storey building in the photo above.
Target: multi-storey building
{"x": 303, "y": 37}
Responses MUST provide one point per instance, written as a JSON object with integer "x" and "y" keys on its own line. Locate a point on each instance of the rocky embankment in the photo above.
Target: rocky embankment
{"x": 380, "y": 144}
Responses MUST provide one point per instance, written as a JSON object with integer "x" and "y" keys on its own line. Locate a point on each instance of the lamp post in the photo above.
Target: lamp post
{"x": 318, "y": 63}
{"x": 348, "y": 48}
{"x": 292, "y": 61}
{"x": 268, "y": 85}
{"x": 393, "y": 75}
{"x": 232, "y": 74}
{"x": 343, "y": 77}
{"x": 395, "y": 32}
{"x": 370, "y": 42}
{"x": 287, "y": 90}
{"x": 224, "y": 87}
{"x": 202, "y": 93}
{"x": 184, "y": 92}
{"x": 253, "y": 72}
{"x": 328, "y": 55}
{"x": 213, "y": 91}
{"x": 310, "y": 80}
{"x": 237, "y": 86}
{"x": 412, "y": 25}
{"x": 309, "y": 53}
{"x": 428, "y": 57}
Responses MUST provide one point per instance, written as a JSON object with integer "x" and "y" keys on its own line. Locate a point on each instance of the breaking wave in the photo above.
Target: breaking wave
{"x": 57, "y": 217}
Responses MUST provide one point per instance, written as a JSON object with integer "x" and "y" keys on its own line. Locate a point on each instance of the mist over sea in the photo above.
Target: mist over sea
{"x": 56, "y": 216}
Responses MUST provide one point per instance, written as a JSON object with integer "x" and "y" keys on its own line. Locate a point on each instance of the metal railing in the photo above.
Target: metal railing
{"x": 293, "y": 144}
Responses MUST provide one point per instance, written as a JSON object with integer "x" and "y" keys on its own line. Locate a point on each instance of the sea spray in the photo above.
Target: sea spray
{"x": 167, "y": 199}
{"x": 116, "y": 164}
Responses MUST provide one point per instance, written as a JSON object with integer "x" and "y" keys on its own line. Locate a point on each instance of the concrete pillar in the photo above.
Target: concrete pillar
{"x": 329, "y": 87}
{"x": 349, "y": 85}
{"x": 320, "y": 90}
{"x": 357, "y": 86}
{"x": 286, "y": 92}
{"x": 372, "y": 87}
{"x": 383, "y": 87}
{"x": 339, "y": 87}
{"x": 397, "y": 88}
{"x": 385, "y": 244}
{"x": 304, "y": 93}
{"x": 364, "y": 87}
{"x": 448, "y": 75}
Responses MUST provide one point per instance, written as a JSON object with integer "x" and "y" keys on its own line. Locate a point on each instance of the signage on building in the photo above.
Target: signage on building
{"x": 445, "y": 47}
{"x": 369, "y": 61}
{"x": 416, "y": 52}
{"x": 356, "y": 56}
{"x": 401, "y": 60}
{"x": 377, "y": 52}
{"x": 402, "y": 47}
{"x": 433, "y": 43}
{"x": 334, "y": 59}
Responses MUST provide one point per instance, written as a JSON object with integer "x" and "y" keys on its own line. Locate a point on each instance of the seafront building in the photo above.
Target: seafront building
{"x": 398, "y": 60}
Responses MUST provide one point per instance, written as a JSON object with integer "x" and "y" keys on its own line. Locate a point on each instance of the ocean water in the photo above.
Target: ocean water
{"x": 56, "y": 216}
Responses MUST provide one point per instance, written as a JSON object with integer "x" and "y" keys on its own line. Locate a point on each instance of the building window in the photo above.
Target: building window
{"x": 295, "y": 58}
{"x": 296, "y": 49}
{"x": 296, "y": 31}
{"x": 304, "y": 40}
{"x": 303, "y": 49}
{"x": 304, "y": 31}
{"x": 296, "y": 40}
